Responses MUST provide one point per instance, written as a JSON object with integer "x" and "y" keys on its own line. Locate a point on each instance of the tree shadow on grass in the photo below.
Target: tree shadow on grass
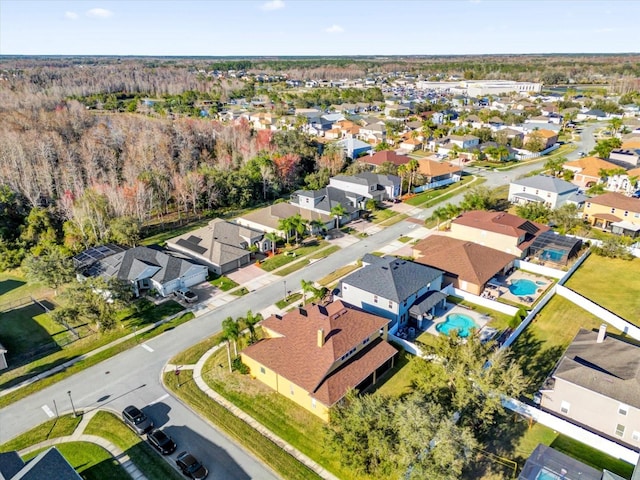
{"x": 10, "y": 284}
{"x": 536, "y": 360}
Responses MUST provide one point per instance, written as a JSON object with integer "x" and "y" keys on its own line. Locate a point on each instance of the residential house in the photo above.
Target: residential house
{"x": 369, "y": 185}
{"x": 464, "y": 141}
{"x": 317, "y": 126}
{"x": 315, "y": 354}
{"x": 144, "y": 268}
{"x": 626, "y": 157}
{"x": 595, "y": 384}
{"x": 267, "y": 219}
{"x": 354, "y": 148}
{"x": 593, "y": 114}
{"x": 466, "y": 265}
{"x": 626, "y": 182}
{"x": 548, "y": 463}
{"x": 324, "y": 200}
{"x": 410, "y": 144}
{"x": 614, "y": 212}
{"x": 546, "y": 189}
{"x": 373, "y": 133}
{"x": 222, "y": 246}
{"x": 434, "y": 171}
{"x": 378, "y": 159}
{"x": 589, "y": 171}
{"x": 390, "y": 287}
{"x": 48, "y": 464}
{"x": 498, "y": 230}
{"x": 549, "y": 137}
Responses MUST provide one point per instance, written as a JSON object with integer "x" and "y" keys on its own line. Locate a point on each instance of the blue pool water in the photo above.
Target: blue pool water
{"x": 522, "y": 287}
{"x": 544, "y": 474}
{"x": 457, "y": 321}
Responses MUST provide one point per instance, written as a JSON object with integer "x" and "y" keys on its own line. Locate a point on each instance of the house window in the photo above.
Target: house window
{"x": 626, "y": 213}
{"x": 620, "y": 430}
{"x": 588, "y": 204}
{"x": 365, "y": 341}
{"x": 636, "y": 215}
{"x": 390, "y": 304}
{"x": 375, "y": 299}
{"x": 313, "y": 403}
{"x": 564, "y": 407}
{"x": 623, "y": 409}
{"x": 291, "y": 388}
{"x": 262, "y": 370}
{"x": 537, "y": 192}
{"x": 635, "y": 436}
{"x": 613, "y": 210}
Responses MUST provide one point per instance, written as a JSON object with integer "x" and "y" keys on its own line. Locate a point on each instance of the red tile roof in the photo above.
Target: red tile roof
{"x": 432, "y": 168}
{"x": 499, "y": 222}
{"x": 468, "y": 261}
{"x": 293, "y": 352}
{"x": 617, "y": 200}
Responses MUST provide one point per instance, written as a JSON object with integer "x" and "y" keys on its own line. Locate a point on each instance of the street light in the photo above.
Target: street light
{"x": 285, "y": 291}
{"x": 72, "y": 407}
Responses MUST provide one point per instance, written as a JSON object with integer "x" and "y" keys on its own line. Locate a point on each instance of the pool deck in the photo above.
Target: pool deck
{"x": 479, "y": 318}
{"x": 522, "y": 275}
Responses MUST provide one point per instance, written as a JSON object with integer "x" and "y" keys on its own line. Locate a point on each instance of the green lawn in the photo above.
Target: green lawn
{"x": 382, "y": 214}
{"x": 341, "y": 272}
{"x": 294, "y": 267}
{"x": 152, "y": 465}
{"x": 286, "y": 419}
{"x": 91, "y": 461}
{"x": 611, "y": 283}
{"x": 161, "y": 237}
{"x": 54, "y": 428}
{"x": 223, "y": 283}
{"x": 428, "y": 198}
{"x": 14, "y": 286}
{"x": 291, "y": 255}
{"x": 544, "y": 341}
{"x": 264, "y": 449}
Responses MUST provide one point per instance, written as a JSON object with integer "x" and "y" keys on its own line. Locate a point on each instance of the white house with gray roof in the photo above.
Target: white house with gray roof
{"x": 550, "y": 191}
{"x": 146, "y": 269}
{"x": 222, "y": 246}
{"x": 390, "y": 287}
{"x": 323, "y": 200}
{"x": 597, "y": 384}
{"x": 368, "y": 185}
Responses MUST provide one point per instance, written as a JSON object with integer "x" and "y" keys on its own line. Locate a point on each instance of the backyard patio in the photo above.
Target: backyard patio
{"x": 518, "y": 287}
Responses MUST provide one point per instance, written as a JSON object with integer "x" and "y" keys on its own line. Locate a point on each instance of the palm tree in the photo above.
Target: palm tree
{"x": 402, "y": 171}
{"x": 298, "y": 225}
{"x": 273, "y": 238}
{"x": 227, "y": 340}
{"x": 286, "y": 225}
{"x": 615, "y": 123}
{"x": 439, "y": 214}
{"x": 250, "y": 321}
{"x": 231, "y": 331}
{"x": 316, "y": 225}
{"x": 502, "y": 152}
{"x": 412, "y": 167}
{"x": 307, "y": 287}
{"x": 338, "y": 211}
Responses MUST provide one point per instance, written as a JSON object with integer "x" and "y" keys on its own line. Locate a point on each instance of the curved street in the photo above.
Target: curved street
{"x": 133, "y": 376}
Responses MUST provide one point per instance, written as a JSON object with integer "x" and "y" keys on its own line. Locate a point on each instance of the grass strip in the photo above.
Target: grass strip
{"x": 264, "y": 449}
{"x": 110, "y": 427}
{"x": 92, "y": 360}
{"x": 54, "y": 428}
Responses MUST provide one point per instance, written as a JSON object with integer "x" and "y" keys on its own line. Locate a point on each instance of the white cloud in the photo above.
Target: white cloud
{"x": 272, "y": 5}
{"x": 99, "y": 13}
{"x": 71, "y": 15}
{"x": 334, "y": 29}
{"x": 603, "y": 30}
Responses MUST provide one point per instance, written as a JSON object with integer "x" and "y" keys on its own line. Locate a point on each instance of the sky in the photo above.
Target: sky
{"x": 325, "y": 27}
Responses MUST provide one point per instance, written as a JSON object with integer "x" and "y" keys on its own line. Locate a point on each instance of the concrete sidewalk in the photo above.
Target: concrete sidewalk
{"x": 78, "y": 435}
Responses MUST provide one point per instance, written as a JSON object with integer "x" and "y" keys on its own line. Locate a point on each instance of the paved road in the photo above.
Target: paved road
{"x": 133, "y": 377}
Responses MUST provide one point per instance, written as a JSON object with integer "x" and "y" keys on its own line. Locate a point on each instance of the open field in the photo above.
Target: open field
{"x": 612, "y": 283}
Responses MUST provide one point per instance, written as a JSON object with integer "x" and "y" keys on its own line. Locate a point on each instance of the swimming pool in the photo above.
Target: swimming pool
{"x": 457, "y": 321}
{"x": 522, "y": 286}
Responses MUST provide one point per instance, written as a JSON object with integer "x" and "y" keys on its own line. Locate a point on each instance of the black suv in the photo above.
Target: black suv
{"x": 191, "y": 467}
{"x": 161, "y": 442}
{"x": 137, "y": 420}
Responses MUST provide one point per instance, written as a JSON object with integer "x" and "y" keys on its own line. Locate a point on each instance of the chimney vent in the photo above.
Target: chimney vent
{"x": 320, "y": 337}
{"x": 602, "y": 333}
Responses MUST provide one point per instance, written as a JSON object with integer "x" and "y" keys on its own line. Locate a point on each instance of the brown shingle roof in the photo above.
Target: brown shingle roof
{"x": 500, "y": 222}
{"x": 379, "y": 158}
{"x": 293, "y": 351}
{"x": 546, "y": 133}
{"x": 432, "y": 168}
{"x": 617, "y": 200}
{"x": 468, "y": 261}
{"x": 631, "y": 144}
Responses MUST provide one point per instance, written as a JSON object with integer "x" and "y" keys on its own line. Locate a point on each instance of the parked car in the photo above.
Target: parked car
{"x": 137, "y": 420}
{"x": 161, "y": 442}
{"x": 636, "y": 194}
{"x": 191, "y": 467}
{"x": 186, "y": 295}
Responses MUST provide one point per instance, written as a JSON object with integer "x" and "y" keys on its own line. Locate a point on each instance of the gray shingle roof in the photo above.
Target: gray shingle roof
{"x": 49, "y": 464}
{"x": 392, "y": 278}
{"x": 611, "y": 368}
{"x": 546, "y": 183}
{"x": 10, "y": 464}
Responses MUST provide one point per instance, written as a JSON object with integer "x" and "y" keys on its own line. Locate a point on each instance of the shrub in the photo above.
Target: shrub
{"x": 238, "y": 366}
